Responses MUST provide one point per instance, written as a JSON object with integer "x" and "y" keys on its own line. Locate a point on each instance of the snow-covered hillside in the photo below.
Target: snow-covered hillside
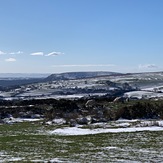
{"x": 71, "y": 85}
{"x": 78, "y": 75}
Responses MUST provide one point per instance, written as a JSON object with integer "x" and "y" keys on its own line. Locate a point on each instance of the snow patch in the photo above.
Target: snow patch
{"x": 109, "y": 148}
{"x": 16, "y": 120}
{"x": 59, "y": 121}
{"x": 123, "y": 125}
{"x": 55, "y": 160}
{"x": 80, "y": 131}
{"x": 142, "y": 94}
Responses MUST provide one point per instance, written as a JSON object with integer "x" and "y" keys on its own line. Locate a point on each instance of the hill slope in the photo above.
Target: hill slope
{"x": 78, "y": 75}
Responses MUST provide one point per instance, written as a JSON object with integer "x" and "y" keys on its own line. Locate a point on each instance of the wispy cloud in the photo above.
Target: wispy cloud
{"x": 10, "y": 60}
{"x": 148, "y": 66}
{"x": 37, "y": 54}
{"x": 54, "y": 54}
{"x": 18, "y": 52}
{"x": 49, "y": 54}
{"x": 86, "y": 65}
{"x": 1, "y": 53}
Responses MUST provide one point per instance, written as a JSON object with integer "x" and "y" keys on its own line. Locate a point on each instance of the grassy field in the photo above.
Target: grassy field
{"x": 30, "y": 142}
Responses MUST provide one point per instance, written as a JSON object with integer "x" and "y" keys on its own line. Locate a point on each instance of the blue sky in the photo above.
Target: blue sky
{"x": 52, "y": 36}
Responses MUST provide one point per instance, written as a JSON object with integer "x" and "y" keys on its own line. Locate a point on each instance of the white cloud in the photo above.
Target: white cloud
{"x": 87, "y": 65}
{"x": 148, "y": 66}
{"x": 10, "y": 60}
{"x": 18, "y": 52}
{"x": 37, "y": 54}
{"x": 49, "y": 54}
{"x": 54, "y": 54}
{"x": 1, "y": 53}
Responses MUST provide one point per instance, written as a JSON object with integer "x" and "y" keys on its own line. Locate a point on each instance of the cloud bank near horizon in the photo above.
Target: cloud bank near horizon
{"x": 148, "y": 66}
{"x": 86, "y": 65}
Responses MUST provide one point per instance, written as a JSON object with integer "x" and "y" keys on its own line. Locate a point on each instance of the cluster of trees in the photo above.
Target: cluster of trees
{"x": 105, "y": 107}
{"x": 143, "y": 109}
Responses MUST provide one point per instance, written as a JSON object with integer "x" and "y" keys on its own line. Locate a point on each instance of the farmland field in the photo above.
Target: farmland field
{"x": 31, "y": 142}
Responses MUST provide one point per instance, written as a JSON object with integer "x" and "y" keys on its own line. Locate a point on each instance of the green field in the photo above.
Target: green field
{"x": 30, "y": 142}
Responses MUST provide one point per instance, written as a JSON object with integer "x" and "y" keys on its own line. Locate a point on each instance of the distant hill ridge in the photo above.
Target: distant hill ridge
{"x": 79, "y": 75}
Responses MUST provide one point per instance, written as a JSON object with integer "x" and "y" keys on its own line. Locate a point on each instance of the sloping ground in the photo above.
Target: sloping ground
{"x": 144, "y": 94}
{"x": 16, "y": 83}
{"x": 29, "y": 142}
{"x": 84, "y": 84}
{"x": 114, "y": 141}
{"x": 141, "y": 80}
{"x": 78, "y": 75}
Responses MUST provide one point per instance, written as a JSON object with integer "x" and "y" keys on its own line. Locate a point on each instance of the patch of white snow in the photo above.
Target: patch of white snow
{"x": 80, "y": 131}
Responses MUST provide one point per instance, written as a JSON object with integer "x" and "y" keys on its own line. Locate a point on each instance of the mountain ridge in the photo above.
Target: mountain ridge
{"x": 79, "y": 75}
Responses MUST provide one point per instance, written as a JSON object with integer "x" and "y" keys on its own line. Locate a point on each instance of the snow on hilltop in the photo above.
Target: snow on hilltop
{"x": 78, "y": 75}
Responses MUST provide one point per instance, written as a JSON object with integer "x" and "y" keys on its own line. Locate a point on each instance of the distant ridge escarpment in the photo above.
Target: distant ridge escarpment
{"x": 78, "y": 75}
